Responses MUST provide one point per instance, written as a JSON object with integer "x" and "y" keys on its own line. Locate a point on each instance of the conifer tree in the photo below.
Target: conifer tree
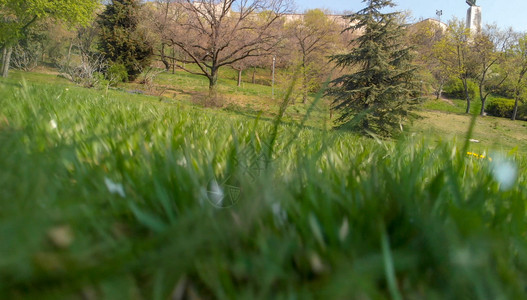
{"x": 376, "y": 97}
{"x": 121, "y": 42}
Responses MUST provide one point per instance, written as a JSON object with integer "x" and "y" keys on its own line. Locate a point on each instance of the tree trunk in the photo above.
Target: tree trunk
{"x": 304, "y": 81}
{"x": 240, "y": 77}
{"x": 68, "y": 56}
{"x": 213, "y": 81}
{"x": 174, "y": 60}
{"x": 440, "y": 90}
{"x": 483, "y": 99}
{"x": 6, "y": 60}
{"x": 164, "y": 58}
{"x": 515, "y": 111}
{"x": 253, "y": 79}
{"x": 3, "y": 54}
{"x": 482, "y": 111}
{"x": 517, "y": 94}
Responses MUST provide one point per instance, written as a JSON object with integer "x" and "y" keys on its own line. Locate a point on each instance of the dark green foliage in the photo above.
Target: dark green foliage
{"x": 378, "y": 95}
{"x": 454, "y": 89}
{"x": 121, "y": 41}
{"x": 505, "y": 90}
{"x": 500, "y": 107}
{"x": 503, "y": 107}
{"x": 522, "y": 112}
{"x": 117, "y": 73}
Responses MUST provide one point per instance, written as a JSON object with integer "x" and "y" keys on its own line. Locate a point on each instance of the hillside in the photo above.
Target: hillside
{"x": 111, "y": 194}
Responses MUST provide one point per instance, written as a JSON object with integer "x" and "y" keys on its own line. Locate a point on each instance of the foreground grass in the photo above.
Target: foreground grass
{"x": 116, "y": 196}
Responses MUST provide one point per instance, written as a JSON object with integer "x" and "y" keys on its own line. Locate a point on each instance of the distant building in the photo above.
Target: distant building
{"x": 474, "y": 19}
{"x": 337, "y": 19}
{"x": 205, "y": 8}
{"x": 208, "y": 8}
{"x": 431, "y": 21}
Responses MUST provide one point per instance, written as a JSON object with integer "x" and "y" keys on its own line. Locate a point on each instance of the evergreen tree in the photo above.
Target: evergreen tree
{"x": 377, "y": 96}
{"x": 120, "y": 40}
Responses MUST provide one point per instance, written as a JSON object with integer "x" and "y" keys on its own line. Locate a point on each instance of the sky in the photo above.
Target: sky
{"x": 505, "y": 14}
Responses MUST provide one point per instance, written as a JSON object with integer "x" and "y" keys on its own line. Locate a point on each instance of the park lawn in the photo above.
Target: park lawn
{"x": 42, "y": 77}
{"x": 447, "y": 120}
{"x": 249, "y": 99}
{"x": 451, "y": 105}
{"x": 111, "y": 194}
{"x": 182, "y": 88}
{"x": 441, "y": 119}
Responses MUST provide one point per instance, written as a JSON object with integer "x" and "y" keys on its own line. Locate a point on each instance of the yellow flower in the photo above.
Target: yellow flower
{"x": 480, "y": 156}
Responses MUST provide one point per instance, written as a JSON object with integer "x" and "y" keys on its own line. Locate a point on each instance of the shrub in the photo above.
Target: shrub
{"x": 122, "y": 40}
{"x": 117, "y": 73}
{"x": 522, "y": 112}
{"x": 87, "y": 73}
{"x": 26, "y": 55}
{"x": 455, "y": 89}
{"x": 500, "y": 107}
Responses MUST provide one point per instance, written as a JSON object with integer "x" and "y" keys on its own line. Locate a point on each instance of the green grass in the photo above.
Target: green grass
{"x": 252, "y": 100}
{"x": 452, "y": 105}
{"x": 108, "y": 196}
{"x": 39, "y": 77}
{"x": 490, "y": 133}
{"x": 446, "y": 120}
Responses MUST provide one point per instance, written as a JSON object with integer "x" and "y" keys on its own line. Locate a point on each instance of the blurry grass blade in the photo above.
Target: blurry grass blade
{"x": 148, "y": 220}
{"x": 388, "y": 266}
{"x": 281, "y": 112}
{"x": 316, "y": 230}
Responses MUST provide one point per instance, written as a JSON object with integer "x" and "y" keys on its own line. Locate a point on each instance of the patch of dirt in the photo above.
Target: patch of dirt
{"x": 46, "y": 70}
{"x": 442, "y": 98}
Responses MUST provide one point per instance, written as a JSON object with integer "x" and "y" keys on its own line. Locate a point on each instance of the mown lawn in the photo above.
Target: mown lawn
{"x": 444, "y": 120}
{"x": 122, "y": 196}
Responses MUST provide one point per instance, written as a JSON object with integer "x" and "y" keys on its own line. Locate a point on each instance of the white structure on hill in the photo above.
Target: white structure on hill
{"x": 337, "y": 19}
{"x": 431, "y": 21}
{"x": 474, "y": 17}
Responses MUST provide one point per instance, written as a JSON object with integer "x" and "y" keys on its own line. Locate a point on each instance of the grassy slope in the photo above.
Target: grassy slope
{"x": 447, "y": 120}
{"x": 323, "y": 217}
{"x": 248, "y": 99}
{"x": 441, "y": 119}
{"x": 492, "y": 133}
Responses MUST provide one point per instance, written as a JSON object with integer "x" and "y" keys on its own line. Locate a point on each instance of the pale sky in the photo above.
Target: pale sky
{"x": 512, "y": 13}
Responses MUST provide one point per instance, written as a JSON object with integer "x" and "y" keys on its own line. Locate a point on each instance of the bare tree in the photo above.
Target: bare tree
{"x": 161, "y": 18}
{"x": 314, "y": 35}
{"x": 85, "y": 70}
{"x": 217, "y": 33}
{"x": 248, "y": 62}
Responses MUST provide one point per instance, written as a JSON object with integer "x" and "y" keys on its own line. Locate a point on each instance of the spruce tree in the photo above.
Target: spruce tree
{"x": 120, "y": 40}
{"x": 376, "y": 97}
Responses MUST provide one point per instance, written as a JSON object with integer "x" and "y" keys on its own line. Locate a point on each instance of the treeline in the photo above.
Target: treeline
{"x": 126, "y": 40}
{"x": 473, "y": 65}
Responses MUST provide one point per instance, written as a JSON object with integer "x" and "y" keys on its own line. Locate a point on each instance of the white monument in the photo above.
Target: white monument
{"x": 473, "y": 17}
